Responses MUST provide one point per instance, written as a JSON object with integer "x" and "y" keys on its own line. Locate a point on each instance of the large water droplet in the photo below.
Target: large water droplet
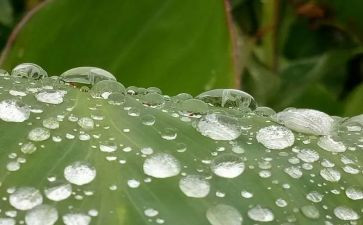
{"x": 29, "y": 70}
{"x": 7, "y": 221}
{"x": 275, "y": 137}
{"x": 224, "y": 215}
{"x": 58, "y": 191}
{"x": 260, "y": 214}
{"x": 51, "y": 96}
{"x": 80, "y": 173}
{"x": 42, "y": 215}
{"x": 228, "y": 166}
{"x": 307, "y": 121}
{"x": 39, "y": 134}
{"x": 310, "y": 212}
{"x": 228, "y": 98}
{"x": 76, "y": 219}
{"x": 328, "y": 143}
{"x": 354, "y": 193}
{"x": 194, "y": 186}
{"x": 161, "y": 165}
{"x": 86, "y": 76}
{"x": 14, "y": 111}
{"x": 51, "y": 123}
{"x": 308, "y": 155}
{"x": 219, "y": 127}
{"x": 25, "y": 198}
{"x": 346, "y": 213}
{"x": 330, "y": 174}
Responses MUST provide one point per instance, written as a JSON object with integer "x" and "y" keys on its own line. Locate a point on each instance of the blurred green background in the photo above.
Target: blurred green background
{"x": 292, "y": 53}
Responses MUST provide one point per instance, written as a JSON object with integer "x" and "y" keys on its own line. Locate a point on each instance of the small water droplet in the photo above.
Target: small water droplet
{"x": 80, "y": 173}
{"x": 54, "y": 97}
{"x": 39, "y": 134}
{"x": 228, "y": 166}
{"x": 194, "y": 186}
{"x": 161, "y": 165}
{"x": 58, "y": 191}
{"x": 275, "y": 137}
{"x": 260, "y": 214}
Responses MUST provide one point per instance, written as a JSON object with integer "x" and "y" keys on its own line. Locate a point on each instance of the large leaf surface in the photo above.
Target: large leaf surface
{"x": 263, "y": 182}
{"x": 174, "y": 45}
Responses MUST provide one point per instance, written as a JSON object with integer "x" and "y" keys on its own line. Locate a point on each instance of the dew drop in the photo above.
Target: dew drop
{"x": 228, "y": 166}
{"x": 260, "y": 214}
{"x": 194, "y": 186}
{"x": 58, "y": 192}
{"x": 222, "y": 214}
{"x": 41, "y": 215}
{"x": 275, "y": 137}
{"x": 161, "y": 165}
{"x": 81, "y": 76}
{"x": 25, "y": 198}
{"x": 76, "y": 219}
{"x": 80, "y": 173}
{"x": 331, "y": 145}
{"x": 330, "y": 174}
{"x": 105, "y": 88}
{"x": 345, "y": 213}
{"x": 354, "y": 193}
{"x": 54, "y": 97}
{"x": 39, "y": 134}
{"x": 308, "y": 155}
{"x": 310, "y": 212}
{"x": 219, "y": 127}
{"x": 150, "y": 212}
{"x": 29, "y": 70}
{"x": 14, "y": 111}
{"x": 228, "y": 98}
{"x": 7, "y": 221}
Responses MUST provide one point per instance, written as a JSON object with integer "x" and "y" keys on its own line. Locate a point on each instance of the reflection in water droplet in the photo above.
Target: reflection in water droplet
{"x": 228, "y": 98}
{"x": 80, "y": 173}
{"x": 14, "y": 111}
{"x": 227, "y": 166}
{"x": 161, "y": 165}
{"x": 224, "y": 215}
{"x": 275, "y": 137}
{"x": 25, "y": 198}
{"x": 29, "y": 70}
{"x": 219, "y": 127}
{"x": 194, "y": 186}
{"x": 41, "y": 215}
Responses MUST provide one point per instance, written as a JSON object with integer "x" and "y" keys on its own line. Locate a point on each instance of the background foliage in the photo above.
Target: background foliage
{"x": 301, "y": 53}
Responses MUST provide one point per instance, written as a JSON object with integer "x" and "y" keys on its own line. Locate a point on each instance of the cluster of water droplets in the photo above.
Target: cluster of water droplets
{"x": 234, "y": 161}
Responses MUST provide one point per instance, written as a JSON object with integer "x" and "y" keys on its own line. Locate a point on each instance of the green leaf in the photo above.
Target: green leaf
{"x": 260, "y": 178}
{"x": 148, "y": 43}
{"x": 354, "y": 101}
{"x": 6, "y": 13}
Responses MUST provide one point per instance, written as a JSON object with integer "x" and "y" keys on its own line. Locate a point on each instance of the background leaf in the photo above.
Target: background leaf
{"x": 6, "y": 12}
{"x": 175, "y": 45}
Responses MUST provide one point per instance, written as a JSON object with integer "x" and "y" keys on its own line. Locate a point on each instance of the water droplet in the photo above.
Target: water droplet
{"x": 153, "y": 99}
{"x": 314, "y": 196}
{"x": 329, "y": 144}
{"x": 14, "y": 111}
{"x": 4, "y": 73}
{"x": 51, "y": 123}
{"x": 330, "y": 174}
{"x": 307, "y": 121}
{"x": 308, "y": 155}
{"x": 194, "y": 186}
{"x": 39, "y": 134}
{"x": 228, "y": 98}
{"x": 275, "y": 137}
{"x": 7, "y": 221}
{"x": 310, "y": 212}
{"x": 108, "y": 146}
{"x": 148, "y": 120}
{"x": 54, "y": 97}
{"x": 58, "y": 191}
{"x": 264, "y": 111}
{"x": 41, "y": 215}
{"x": 133, "y": 183}
{"x": 354, "y": 193}
{"x": 161, "y": 165}
{"x": 105, "y": 88}
{"x": 193, "y": 108}
{"x": 86, "y": 123}
{"x": 29, "y": 70}
{"x": 228, "y": 166}
{"x": 294, "y": 172}
{"x": 80, "y": 173}
{"x": 13, "y": 166}
{"x": 169, "y": 134}
{"x": 25, "y": 198}
{"x": 219, "y": 127}
{"x": 281, "y": 202}
{"x": 76, "y": 219}
{"x": 150, "y": 212}
{"x": 260, "y": 214}
{"x": 81, "y": 76}
{"x": 224, "y": 215}
{"x": 246, "y": 194}
{"x": 345, "y": 213}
